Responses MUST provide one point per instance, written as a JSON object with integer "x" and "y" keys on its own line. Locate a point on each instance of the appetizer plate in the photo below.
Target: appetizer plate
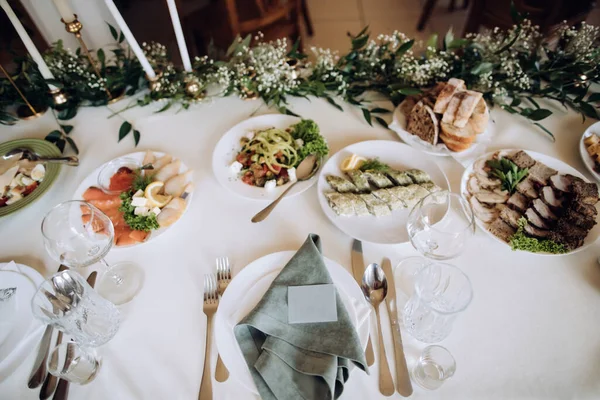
{"x": 388, "y": 229}
{"x": 585, "y": 156}
{"x": 398, "y": 125}
{"x": 92, "y": 180}
{"x": 42, "y": 148}
{"x": 561, "y": 167}
{"x": 229, "y": 146}
{"x": 249, "y": 286}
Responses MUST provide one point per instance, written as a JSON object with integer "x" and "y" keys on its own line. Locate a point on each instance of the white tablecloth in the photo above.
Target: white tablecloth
{"x": 531, "y": 331}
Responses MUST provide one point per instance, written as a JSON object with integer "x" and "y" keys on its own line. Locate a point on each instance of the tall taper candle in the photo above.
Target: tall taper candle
{"x": 65, "y": 11}
{"x": 133, "y": 44}
{"x": 33, "y": 51}
{"x": 185, "y": 57}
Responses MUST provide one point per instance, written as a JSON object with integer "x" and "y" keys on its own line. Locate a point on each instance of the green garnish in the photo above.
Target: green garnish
{"x": 508, "y": 172}
{"x": 314, "y": 143}
{"x": 374, "y": 164}
{"x": 140, "y": 181}
{"x": 520, "y": 241}
{"x": 136, "y": 222}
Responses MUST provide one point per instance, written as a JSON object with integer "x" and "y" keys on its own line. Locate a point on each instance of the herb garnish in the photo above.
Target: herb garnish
{"x": 141, "y": 180}
{"x": 136, "y": 222}
{"x": 374, "y": 164}
{"x": 314, "y": 143}
{"x": 508, "y": 172}
{"x": 520, "y": 241}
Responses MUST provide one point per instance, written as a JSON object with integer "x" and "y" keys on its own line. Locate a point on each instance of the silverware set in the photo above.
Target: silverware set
{"x": 214, "y": 287}
{"x": 378, "y": 286}
{"x": 66, "y": 297}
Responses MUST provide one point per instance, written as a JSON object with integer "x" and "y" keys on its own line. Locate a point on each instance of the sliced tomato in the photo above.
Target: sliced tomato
{"x": 276, "y": 169}
{"x": 248, "y": 178}
{"x": 30, "y": 188}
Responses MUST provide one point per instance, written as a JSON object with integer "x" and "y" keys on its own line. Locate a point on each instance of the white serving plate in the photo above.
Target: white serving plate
{"x": 92, "y": 180}
{"x": 561, "y": 167}
{"x": 383, "y": 230}
{"x": 588, "y": 161}
{"x": 229, "y": 146}
{"x": 398, "y": 125}
{"x": 249, "y": 286}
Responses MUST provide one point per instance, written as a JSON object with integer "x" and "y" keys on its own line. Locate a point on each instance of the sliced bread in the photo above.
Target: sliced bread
{"x": 423, "y": 123}
{"x": 454, "y": 145}
{"x": 464, "y": 135}
{"x": 469, "y": 101}
{"x": 446, "y": 94}
{"x": 480, "y": 117}
{"x": 407, "y": 105}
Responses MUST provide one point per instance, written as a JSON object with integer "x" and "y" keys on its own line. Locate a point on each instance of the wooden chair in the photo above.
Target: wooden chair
{"x": 222, "y": 20}
{"x": 428, "y": 10}
{"x": 548, "y": 14}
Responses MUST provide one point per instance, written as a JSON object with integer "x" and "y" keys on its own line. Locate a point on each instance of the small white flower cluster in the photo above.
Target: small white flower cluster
{"x": 424, "y": 71}
{"x": 325, "y": 69}
{"x": 212, "y": 73}
{"x": 168, "y": 79}
{"x": 581, "y": 43}
{"x": 67, "y": 67}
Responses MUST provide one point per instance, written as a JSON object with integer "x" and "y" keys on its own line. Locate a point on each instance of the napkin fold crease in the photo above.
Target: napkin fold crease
{"x": 299, "y": 361}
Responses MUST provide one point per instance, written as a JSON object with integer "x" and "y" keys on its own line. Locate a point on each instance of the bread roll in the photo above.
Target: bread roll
{"x": 480, "y": 117}
{"x": 463, "y": 135}
{"x": 443, "y": 100}
{"x": 454, "y": 145}
{"x": 470, "y": 99}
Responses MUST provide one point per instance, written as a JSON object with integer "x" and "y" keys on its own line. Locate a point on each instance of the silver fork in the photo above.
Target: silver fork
{"x": 223, "y": 277}
{"x": 211, "y": 302}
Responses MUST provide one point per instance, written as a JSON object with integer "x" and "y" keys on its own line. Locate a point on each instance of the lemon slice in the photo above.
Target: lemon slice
{"x": 352, "y": 162}
{"x": 154, "y": 198}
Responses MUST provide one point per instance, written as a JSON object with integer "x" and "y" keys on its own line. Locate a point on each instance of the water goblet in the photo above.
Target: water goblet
{"x": 78, "y": 234}
{"x": 434, "y": 367}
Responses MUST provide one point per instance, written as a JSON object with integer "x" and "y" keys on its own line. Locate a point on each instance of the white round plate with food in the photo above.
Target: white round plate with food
{"x": 249, "y": 286}
{"x": 590, "y": 164}
{"x": 171, "y": 171}
{"x": 398, "y": 125}
{"x": 550, "y": 207}
{"x": 232, "y": 175}
{"x": 390, "y": 226}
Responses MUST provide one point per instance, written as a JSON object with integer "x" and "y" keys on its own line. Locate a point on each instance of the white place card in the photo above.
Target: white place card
{"x": 312, "y": 303}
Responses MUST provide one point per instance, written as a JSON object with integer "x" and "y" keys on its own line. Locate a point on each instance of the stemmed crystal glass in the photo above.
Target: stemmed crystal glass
{"x": 77, "y": 234}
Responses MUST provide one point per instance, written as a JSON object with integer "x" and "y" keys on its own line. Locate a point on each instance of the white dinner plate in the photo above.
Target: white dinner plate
{"x": 388, "y": 229}
{"x": 26, "y": 280}
{"x": 249, "y": 286}
{"x": 92, "y": 180}
{"x": 229, "y": 146}
{"x": 398, "y": 125}
{"x": 593, "y": 129}
{"x": 561, "y": 167}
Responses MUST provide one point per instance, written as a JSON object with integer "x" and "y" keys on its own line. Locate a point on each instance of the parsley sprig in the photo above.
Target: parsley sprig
{"x": 374, "y": 164}
{"x": 508, "y": 172}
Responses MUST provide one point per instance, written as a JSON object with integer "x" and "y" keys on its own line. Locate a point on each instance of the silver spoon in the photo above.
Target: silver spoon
{"x": 306, "y": 170}
{"x": 27, "y": 154}
{"x": 374, "y": 287}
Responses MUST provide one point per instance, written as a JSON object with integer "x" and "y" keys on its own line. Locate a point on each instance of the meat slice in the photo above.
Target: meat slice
{"x": 522, "y": 159}
{"x": 543, "y": 210}
{"x": 485, "y": 214}
{"x": 586, "y": 209}
{"x": 491, "y": 197}
{"x": 537, "y": 232}
{"x": 535, "y": 219}
{"x": 501, "y": 229}
{"x": 518, "y": 202}
{"x": 549, "y": 196}
{"x": 527, "y": 188}
{"x": 580, "y": 220}
{"x": 541, "y": 173}
{"x": 564, "y": 183}
{"x": 584, "y": 192}
{"x": 510, "y": 216}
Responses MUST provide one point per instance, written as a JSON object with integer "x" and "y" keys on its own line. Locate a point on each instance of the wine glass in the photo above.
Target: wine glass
{"x": 77, "y": 234}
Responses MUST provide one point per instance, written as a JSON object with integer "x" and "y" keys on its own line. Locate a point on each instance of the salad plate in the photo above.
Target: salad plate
{"x": 249, "y": 286}
{"x": 235, "y": 157}
{"x": 588, "y": 161}
{"x": 162, "y": 199}
{"x": 384, "y": 216}
{"x": 533, "y": 210}
{"x": 51, "y": 171}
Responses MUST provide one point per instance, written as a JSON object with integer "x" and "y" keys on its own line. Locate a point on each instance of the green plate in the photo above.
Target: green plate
{"x": 42, "y": 148}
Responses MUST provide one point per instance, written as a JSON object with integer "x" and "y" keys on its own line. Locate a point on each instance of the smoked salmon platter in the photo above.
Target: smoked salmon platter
{"x": 142, "y": 193}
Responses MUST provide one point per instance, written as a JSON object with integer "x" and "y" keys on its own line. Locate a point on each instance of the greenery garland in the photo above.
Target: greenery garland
{"x": 513, "y": 68}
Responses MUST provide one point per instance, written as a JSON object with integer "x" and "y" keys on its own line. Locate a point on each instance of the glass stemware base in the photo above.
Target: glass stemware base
{"x": 121, "y": 282}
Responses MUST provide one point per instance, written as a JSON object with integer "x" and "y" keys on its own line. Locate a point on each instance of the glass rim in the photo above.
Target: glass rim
{"x": 470, "y": 218}
{"x": 436, "y": 309}
{"x": 122, "y": 162}
{"x": 92, "y": 207}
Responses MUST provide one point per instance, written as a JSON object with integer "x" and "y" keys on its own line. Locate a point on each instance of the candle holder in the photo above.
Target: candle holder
{"x": 154, "y": 83}
{"x": 25, "y": 111}
{"x": 59, "y": 98}
{"x": 193, "y": 87}
{"x": 75, "y": 28}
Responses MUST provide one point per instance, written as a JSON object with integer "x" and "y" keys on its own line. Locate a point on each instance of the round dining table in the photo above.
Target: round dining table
{"x": 532, "y": 330}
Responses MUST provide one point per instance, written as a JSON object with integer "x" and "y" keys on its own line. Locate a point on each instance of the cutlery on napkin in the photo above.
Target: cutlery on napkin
{"x": 304, "y": 360}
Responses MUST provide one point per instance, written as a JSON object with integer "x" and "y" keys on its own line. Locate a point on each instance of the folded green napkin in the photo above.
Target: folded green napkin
{"x": 299, "y": 361}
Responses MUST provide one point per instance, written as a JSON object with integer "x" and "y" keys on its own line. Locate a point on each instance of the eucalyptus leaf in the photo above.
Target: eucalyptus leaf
{"x": 67, "y": 113}
{"x": 124, "y": 130}
{"x": 164, "y": 108}
{"x": 539, "y": 114}
{"x": 53, "y": 136}
{"x": 136, "y": 136}
{"x": 333, "y": 103}
{"x": 482, "y": 68}
{"x": 113, "y": 31}
{"x": 404, "y": 47}
{"x": 72, "y": 144}
{"x": 367, "y": 116}
{"x": 67, "y": 128}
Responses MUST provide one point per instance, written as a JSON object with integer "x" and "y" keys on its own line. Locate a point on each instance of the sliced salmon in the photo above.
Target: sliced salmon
{"x": 94, "y": 193}
{"x": 139, "y": 236}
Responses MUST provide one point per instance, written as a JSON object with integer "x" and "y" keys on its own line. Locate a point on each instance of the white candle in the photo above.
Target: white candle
{"x": 185, "y": 57}
{"x": 133, "y": 44}
{"x": 64, "y": 9}
{"x": 33, "y": 51}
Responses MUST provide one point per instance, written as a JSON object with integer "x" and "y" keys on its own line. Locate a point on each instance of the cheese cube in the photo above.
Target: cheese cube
{"x": 250, "y": 135}
{"x": 270, "y": 185}
{"x": 299, "y": 143}
{"x": 155, "y": 210}
{"x": 236, "y": 167}
{"x": 143, "y": 211}
{"x": 292, "y": 174}
{"x": 139, "y": 193}
{"x": 139, "y": 202}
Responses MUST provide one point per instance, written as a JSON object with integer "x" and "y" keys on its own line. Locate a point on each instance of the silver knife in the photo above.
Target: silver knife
{"x": 358, "y": 269}
{"x": 403, "y": 384}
